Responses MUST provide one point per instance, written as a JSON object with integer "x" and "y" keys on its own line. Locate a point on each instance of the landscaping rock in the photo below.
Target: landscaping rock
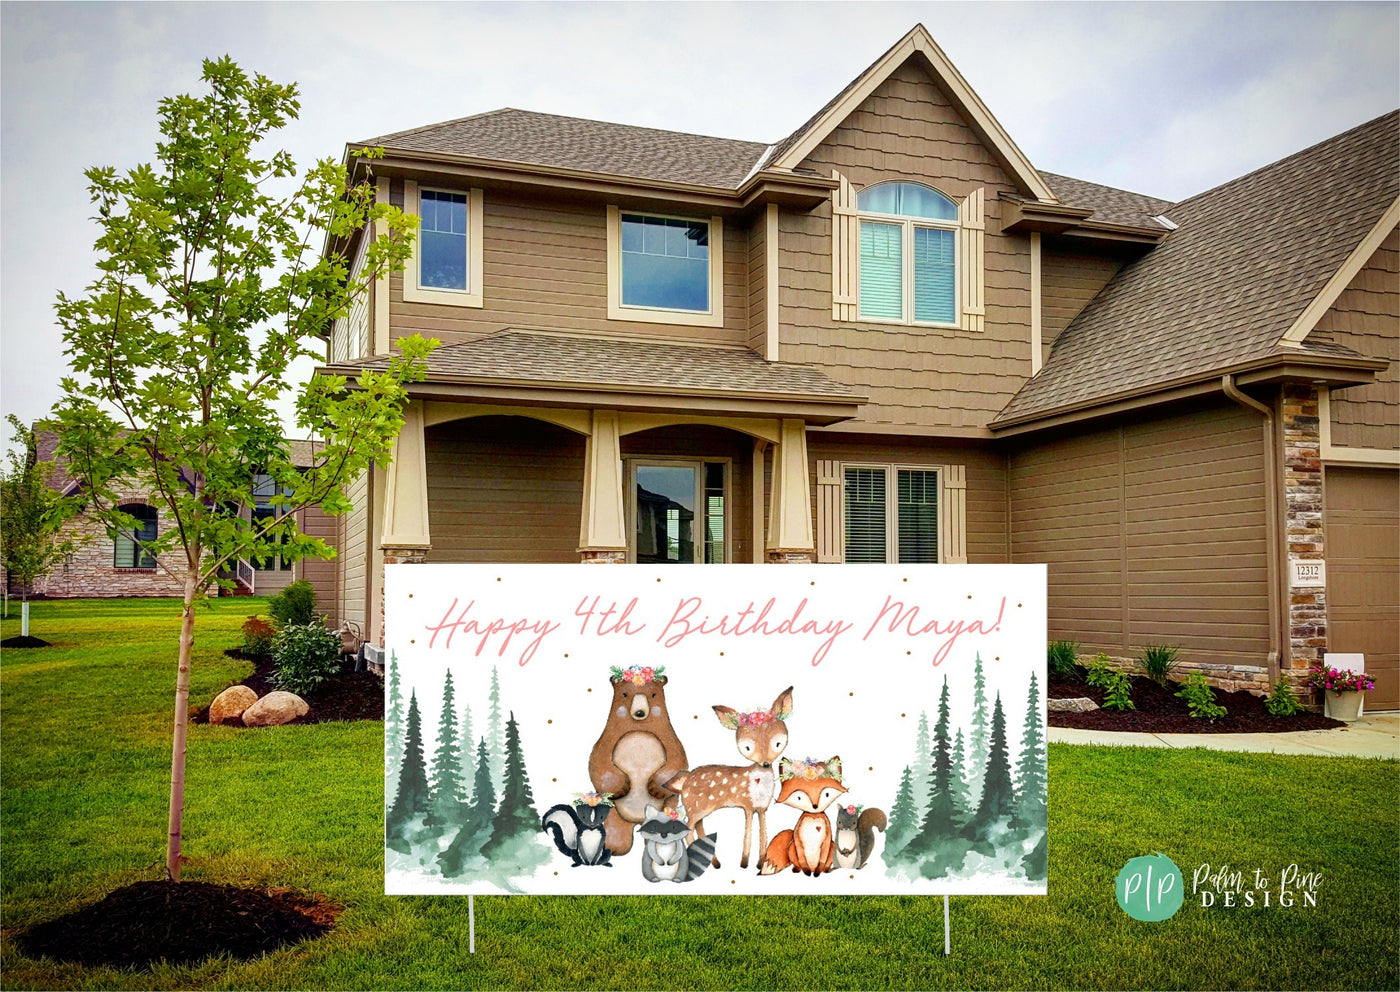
{"x": 228, "y": 706}
{"x": 1080, "y": 705}
{"x": 275, "y": 708}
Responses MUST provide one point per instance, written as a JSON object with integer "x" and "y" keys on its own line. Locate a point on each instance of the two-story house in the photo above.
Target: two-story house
{"x": 888, "y": 337}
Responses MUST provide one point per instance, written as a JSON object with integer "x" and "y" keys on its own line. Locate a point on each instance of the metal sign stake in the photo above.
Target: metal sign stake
{"x": 947, "y": 930}
{"x": 471, "y": 922}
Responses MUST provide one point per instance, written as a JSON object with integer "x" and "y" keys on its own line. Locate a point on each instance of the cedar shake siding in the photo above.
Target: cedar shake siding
{"x": 1366, "y": 318}
{"x": 920, "y": 377}
{"x": 1154, "y": 532}
{"x": 987, "y": 538}
{"x": 1070, "y": 276}
{"x": 504, "y": 489}
{"x": 545, "y": 267}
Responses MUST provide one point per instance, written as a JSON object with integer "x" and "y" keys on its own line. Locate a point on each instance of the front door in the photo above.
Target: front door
{"x": 678, "y": 511}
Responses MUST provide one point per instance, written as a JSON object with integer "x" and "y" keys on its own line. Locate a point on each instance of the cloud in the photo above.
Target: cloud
{"x": 1168, "y": 99}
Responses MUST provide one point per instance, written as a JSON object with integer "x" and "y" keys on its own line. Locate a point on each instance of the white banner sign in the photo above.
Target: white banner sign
{"x": 719, "y": 729}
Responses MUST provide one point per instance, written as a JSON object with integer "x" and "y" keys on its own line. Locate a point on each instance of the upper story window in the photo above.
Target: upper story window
{"x": 446, "y": 267}
{"x": 665, "y": 269}
{"x": 127, "y": 550}
{"x": 908, "y": 254}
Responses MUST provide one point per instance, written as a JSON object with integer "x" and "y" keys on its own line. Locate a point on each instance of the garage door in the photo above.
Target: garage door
{"x": 1363, "y": 573}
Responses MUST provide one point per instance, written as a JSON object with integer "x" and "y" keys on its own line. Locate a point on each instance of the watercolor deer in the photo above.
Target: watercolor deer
{"x": 760, "y": 737}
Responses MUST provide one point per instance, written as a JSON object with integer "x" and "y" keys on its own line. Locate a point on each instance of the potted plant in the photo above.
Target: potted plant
{"x": 1341, "y": 690}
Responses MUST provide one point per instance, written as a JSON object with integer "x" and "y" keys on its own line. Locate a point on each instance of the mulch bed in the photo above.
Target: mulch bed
{"x": 1159, "y": 711}
{"x": 180, "y": 922}
{"x": 350, "y": 695}
{"x": 20, "y": 641}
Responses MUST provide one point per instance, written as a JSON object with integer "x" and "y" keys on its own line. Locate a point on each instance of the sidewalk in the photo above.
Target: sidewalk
{"x": 1373, "y": 736}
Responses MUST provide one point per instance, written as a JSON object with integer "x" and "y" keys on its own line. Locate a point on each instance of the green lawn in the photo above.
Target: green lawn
{"x": 84, "y": 766}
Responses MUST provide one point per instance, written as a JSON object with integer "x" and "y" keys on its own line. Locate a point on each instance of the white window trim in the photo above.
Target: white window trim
{"x": 909, "y": 223}
{"x": 476, "y": 211}
{"x": 891, "y": 470}
{"x": 714, "y": 317}
{"x": 630, "y": 464}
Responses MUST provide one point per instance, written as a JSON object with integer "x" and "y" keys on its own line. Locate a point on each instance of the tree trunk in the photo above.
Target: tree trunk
{"x": 182, "y": 719}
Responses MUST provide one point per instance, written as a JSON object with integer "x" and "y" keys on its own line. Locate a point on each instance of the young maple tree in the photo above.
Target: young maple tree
{"x": 211, "y": 283}
{"x": 31, "y": 544}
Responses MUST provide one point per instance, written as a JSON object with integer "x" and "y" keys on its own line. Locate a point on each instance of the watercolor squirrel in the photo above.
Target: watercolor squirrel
{"x": 855, "y": 835}
{"x": 578, "y": 829}
{"x": 666, "y": 857}
{"x": 809, "y": 786}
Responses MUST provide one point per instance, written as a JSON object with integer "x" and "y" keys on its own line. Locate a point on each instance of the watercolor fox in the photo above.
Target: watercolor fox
{"x": 809, "y": 786}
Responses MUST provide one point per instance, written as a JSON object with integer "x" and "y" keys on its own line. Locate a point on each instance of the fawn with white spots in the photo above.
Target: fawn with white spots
{"x": 760, "y": 737}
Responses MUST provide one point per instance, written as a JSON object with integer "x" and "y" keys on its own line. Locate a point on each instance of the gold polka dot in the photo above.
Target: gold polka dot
{"x": 558, "y": 873}
{"x": 1018, "y": 606}
{"x": 969, "y": 597}
{"x": 811, "y": 583}
{"x": 903, "y": 714}
{"x": 850, "y": 693}
{"x": 410, "y": 595}
{"x": 658, "y": 580}
{"x": 549, "y": 721}
{"x": 554, "y": 780}
{"x": 498, "y": 579}
{"x": 721, "y": 654}
{"x": 871, "y": 768}
{"x": 997, "y": 658}
{"x": 412, "y": 641}
{"x": 901, "y": 580}
{"x": 695, "y": 717}
{"x": 733, "y": 881}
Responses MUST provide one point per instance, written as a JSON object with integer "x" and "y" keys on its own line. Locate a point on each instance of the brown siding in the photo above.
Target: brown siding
{"x": 1366, "y": 318}
{"x": 1154, "y": 532}
{"x": 712, "y": 443}
{"x": 320, "y": 572}
{"x": 352, "y": 572}
{"x": 1069, "y": 279}
{"x": 504, "y": 489}
{"x": 546, "y": 267}
{"x": 907, "y": 129}
{"x": 758, "y": 284}
{"x": 986, "y": 480}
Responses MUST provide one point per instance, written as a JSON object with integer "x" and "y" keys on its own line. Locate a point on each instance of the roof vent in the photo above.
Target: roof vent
{"x": 1170, "y": 225}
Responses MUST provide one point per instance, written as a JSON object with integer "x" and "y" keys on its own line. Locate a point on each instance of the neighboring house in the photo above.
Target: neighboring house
{"x": 888, "y": 337}
{"x": 104, "y": 566}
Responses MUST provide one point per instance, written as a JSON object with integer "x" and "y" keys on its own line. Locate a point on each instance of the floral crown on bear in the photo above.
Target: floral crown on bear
{"x": 639, "y": 674}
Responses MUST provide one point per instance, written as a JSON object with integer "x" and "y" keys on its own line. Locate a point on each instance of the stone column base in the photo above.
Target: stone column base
{"x": 789, "y": 557}
{"x": 589, "y": 557}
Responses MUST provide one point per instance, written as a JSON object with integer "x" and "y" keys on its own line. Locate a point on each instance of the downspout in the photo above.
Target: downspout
{"x": 1271, "y": 510}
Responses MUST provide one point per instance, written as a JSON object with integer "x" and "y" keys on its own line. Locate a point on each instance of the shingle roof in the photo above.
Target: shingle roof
{"x": 1220, "y": 290}
{"x": 1110, "y": 205}
{"x": 590, "y": 146}
{"x": 564, "y": 362}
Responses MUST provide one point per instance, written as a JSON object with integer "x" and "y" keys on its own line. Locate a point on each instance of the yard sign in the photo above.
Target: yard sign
{"x": 557, "y": 729}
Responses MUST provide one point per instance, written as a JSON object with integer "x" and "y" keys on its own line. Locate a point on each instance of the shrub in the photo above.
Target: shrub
{"x": 1282, "y": 702}
{"x": 1062, "y": 660}
{"x": 305, "y": 655}
{"x": 1200, "y": 698}
{"x": 1100, "y": 674}
{"x": 1117, "y": 694}
{"x": 294, "y": 605}
{"x": 1158, "y": 661}
{"x": 257, "y": 637}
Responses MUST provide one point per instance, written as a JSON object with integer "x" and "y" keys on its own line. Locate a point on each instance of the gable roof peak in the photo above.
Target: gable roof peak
{"x": 916, "y": 43}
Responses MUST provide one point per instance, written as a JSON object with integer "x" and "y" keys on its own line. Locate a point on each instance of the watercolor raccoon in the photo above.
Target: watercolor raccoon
{"x": 809, "y": 786}
{"x": 665, "y": 855}
{"x": 855, "y": 835}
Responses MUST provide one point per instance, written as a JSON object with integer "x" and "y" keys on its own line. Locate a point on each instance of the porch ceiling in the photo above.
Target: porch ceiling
{"x": 534, "y": 368}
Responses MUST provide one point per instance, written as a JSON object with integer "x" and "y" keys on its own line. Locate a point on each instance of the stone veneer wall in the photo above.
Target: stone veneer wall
{"x": 1231, "y": 678}
{"x": 1302, "y": 470}
{"x": 90, "y": 572}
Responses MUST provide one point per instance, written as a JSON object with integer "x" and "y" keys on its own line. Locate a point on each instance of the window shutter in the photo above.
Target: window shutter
{"x": 953, "y": 481}
{"x": 973, "y": 232}
{"x": 829, "y": 524}
{"x": 845, "y": 245}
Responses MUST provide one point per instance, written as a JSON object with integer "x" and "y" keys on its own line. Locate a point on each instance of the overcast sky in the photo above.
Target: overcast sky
{"x": 1166, "y": 99}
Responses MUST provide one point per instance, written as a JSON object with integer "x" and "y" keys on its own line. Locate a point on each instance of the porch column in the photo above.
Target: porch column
{"x": 603, "y": 529}
{"x": 404, "y": 537}
{"x": 790, "y": 513}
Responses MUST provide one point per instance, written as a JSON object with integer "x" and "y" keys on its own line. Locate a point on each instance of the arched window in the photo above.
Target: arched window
{"x": 908, "y": 254}
{"x": 127, "y": 551}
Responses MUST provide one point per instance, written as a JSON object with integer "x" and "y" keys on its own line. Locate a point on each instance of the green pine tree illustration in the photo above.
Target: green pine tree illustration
{"x": 393, "y": 728}
{"x": 977, "y": 740}
{"x": 465, "y": 748}
{"x": 516, "y": 813}
{"x": 998, "y": 795}
{"x": 447, "y": 764}
{"x": 921, "y": 765}
{"x": 941, "y": 818}
{"x": 960, "y": 799}
{"x": 496, "y": 730}
{"x": 476, "y": 818}
{"x": 1030, "y": 769}
{"x": 903, "y": 818}
{"x": 412, "y": 796}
